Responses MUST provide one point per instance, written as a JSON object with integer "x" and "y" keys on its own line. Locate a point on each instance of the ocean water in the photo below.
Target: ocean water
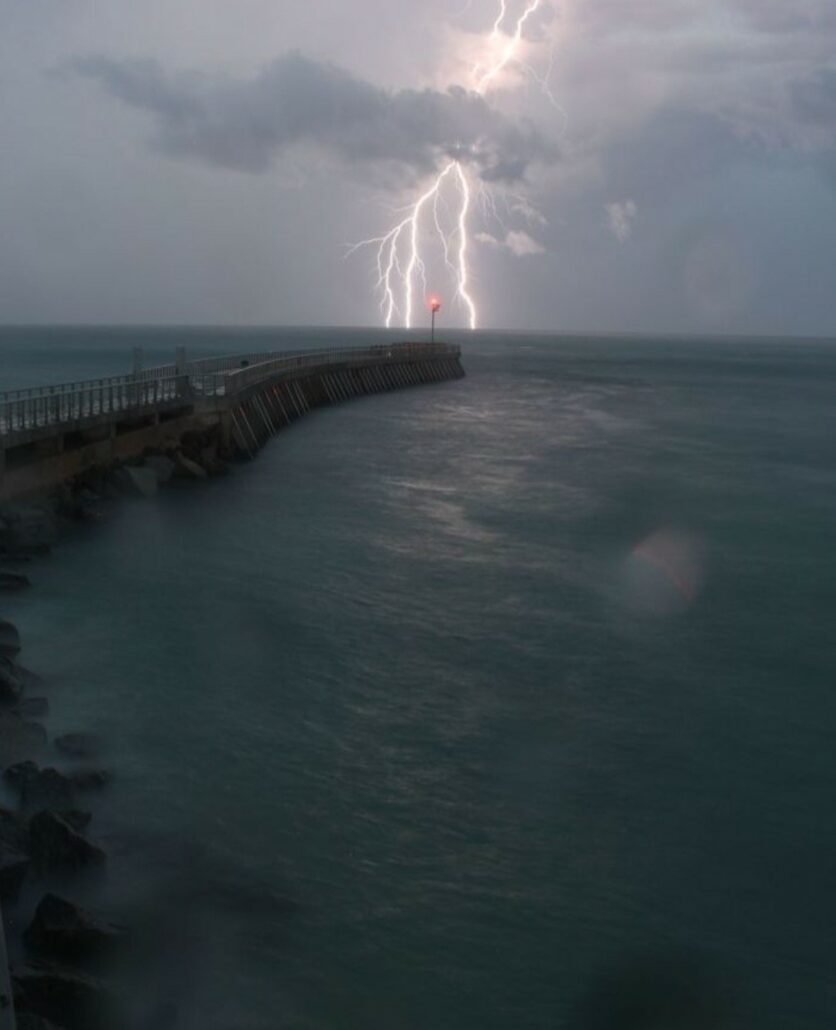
{"x": 499, "y": 703}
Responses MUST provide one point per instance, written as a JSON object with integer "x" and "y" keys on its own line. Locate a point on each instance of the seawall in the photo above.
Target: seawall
{"x": 52, "y": 436}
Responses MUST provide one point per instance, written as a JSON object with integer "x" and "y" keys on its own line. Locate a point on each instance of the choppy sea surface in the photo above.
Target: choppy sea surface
{"x": 502, "y": 703}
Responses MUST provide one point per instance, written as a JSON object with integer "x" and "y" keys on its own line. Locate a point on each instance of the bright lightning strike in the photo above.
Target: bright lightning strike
{"x": 399, "y": 261}
{"x": 486, "y": 78}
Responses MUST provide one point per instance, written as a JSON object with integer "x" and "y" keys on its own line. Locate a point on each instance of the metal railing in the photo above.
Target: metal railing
{"x": 41, "y": 407}
{"x": 242, "y": 377}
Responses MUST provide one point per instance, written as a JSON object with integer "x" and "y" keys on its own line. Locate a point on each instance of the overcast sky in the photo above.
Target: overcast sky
{"x": 640, "y": 165}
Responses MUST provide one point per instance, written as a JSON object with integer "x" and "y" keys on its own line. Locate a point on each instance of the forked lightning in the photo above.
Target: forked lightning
{"x": 400, "y": 266}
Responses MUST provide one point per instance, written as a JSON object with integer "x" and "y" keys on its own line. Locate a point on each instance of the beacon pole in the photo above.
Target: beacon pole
{"x": 435, "y": 307}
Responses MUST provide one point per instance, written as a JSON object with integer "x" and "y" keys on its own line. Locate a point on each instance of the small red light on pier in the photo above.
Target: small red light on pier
{"x": 435, "y": 304}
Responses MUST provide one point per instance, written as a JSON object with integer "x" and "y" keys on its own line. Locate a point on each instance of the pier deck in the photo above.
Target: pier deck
{"x": 50, "y": 434}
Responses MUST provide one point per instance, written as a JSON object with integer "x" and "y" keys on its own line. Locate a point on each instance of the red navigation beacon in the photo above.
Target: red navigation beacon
{"x": 435, "y": 307}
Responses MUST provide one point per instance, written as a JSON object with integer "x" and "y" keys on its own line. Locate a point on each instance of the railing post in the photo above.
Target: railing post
{"x": 181, "y": 380}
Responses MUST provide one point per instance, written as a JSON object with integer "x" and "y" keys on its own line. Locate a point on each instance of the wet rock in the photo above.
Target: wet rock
{"x": 77, "y": 819}
{"x": 33, "y": 707}
{"x": 134, "y": 481}
{"x": 10, "y": 686}
{"x": 49, "y": 788}
{"x": 9, "y": 639}
{"x": 14, "y": 832}
{"x": 162, "y": 467}
{"x": 186, "y": 468}
{"x": 13, "y": 581}
{"x": 27, "y": 531}
{"x": 14, "y": 865}
{"x": 60, "y": 929}
{"x": 14, "y": 858}
{"x": 56, "y": 847}
{"x": 72, "y": 1000}
{"x": 40, "y": 788}
{"x": 79, "y": 745}
{"x": 19, "y": 738}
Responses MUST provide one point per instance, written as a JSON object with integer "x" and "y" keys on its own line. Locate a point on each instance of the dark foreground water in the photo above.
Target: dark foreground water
{"x": 507, "y": 703}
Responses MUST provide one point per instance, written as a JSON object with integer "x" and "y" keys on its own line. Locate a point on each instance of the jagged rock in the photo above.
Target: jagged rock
{"x": 27, "y": 531}
{"x": 14, "y": 865}
{"x": 49, "y": 788}
{"x": 14, "y": 859}
{"x": 19, "y": 738}
{"x": 72, "y": 1000}
{"x": 10, "y": 686}
{"x": 40, "y": 788}
{"x": 14, "y": 832}
{"x": 55, "y": 846}
{"x": 135, "y": 481}
{"x": 79, "y": 745}
{"x": 188, "y": 469}
{"x": 32, "y": 707}
{"x": 77, "y": 819}
{"x": 13, "y": 581}
{"x": 61, "y": 929}
{"x": 9, "y": 639}
{"x": 162, "y": 467}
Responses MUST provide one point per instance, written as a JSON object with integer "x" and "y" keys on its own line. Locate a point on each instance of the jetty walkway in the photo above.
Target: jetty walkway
{"x": 49, "y": 435}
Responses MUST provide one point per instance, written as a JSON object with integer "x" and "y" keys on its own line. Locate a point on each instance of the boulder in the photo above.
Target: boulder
{"x": 13, "y": 581}
{"x": 10, "y": 686}
{"x": 188, "y": 469}
{"x": 135, "y": 481}
{"x": 162, "y": 467}
{"x": 79, "y": 745}
{"x": 9, "y": 639}
{"x": 56, "y": 847}
{"x": 77, "y": 819}
{"x": 60, "y": 929}
{"x": 28, "y": 530}
{"x": 49, "y": 788}
{"x": 19, "y": 738}
{"x": 72, "y": 1000}
{"x": 40, "y": 788}
{"x": 14, "y": 858}
{"x": 14, "y": 865}
{"x": 14, "y": 832}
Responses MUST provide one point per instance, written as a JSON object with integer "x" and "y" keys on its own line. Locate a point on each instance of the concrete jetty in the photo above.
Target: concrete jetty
{"x": 50, "y": 435}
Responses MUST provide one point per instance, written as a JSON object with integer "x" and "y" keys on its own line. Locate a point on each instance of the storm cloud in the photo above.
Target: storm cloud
{"x": 245, "y": 124}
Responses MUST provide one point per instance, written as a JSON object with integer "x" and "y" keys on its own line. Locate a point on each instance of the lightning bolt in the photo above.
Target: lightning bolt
{"x": 511, "y": 48}
{"x": 398, "y": 253}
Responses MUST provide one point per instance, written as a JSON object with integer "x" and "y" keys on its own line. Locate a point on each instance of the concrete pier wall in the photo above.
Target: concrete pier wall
{"x": 271, "y": 406}
{"x": 252, "y": 406}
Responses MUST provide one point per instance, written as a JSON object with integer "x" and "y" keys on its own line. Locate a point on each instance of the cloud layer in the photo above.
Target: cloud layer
{"x": 244, "y": 124}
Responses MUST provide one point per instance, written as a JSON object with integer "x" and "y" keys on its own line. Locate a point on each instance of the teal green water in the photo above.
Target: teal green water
{"x": 520, "y": 689}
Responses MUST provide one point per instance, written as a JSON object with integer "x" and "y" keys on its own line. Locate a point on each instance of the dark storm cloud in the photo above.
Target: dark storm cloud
{"x": 243, "y": 124}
